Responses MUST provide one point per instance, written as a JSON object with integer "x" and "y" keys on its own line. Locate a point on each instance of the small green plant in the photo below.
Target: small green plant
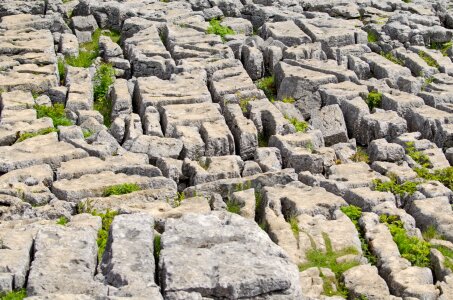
{"x": 418, "y": 156}
{"x": 267, "y": 85}
{"x": 427, "y": 82}
{"x": 62, "y": 220}
{"x": 121, "y": 189}
{"x": 448, "y": 255}
{"x": 301, "y": 126}
{"x": 360, "y": 156}
{"x": 442, "y": 47}
{"x": 354, "y": 213}
{"x": 392, "y": 58}
{"x": 85, "y": 206}
{"x": 416, "y": 251}
{"x": 114, "y": 35}
{"x": 157, "y": 247}
{"x": 407, "y": 188}
{"x": 243, "y": 103}
{"x": 103, "y": 233}
{"x": 328, "y": 259}
{"x": 180, "y": 197}
{"x": 233, "y": 206}
{"x": 87, "y": 52}
{"x": 431, "y": 233}
{"x": 407, "y": 1}
{"x": 14, "y": 295}
{"x": 243, "y": 186}
{"x": 87, "y": 133}
{"x": 216, "y": 28}
{"x": 374, "y": 99}
{"x": 444, "y": 176}
{"x": 103, "y": 79}
{"x": 294, "y": 223}
{"x": 309, "y": 146}
{"x": 263, "y": 141}
{"x": 373, "y": 37}
{"x": 29, "y": 135}
{"x": 290, "y": 100}
{"x": 56, "y": 112}
{"x": 428, "y": 59}
{"x": 61, "y": 70}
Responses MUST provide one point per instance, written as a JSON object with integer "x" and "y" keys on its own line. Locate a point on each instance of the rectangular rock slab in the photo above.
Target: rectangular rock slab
{"x": 128, "y": 260}
{"x": 65, "y": 261}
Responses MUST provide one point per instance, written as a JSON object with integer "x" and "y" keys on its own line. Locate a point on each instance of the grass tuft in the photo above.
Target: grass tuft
{"x": 233, "y": 206}
{"x": 103, "y": 233}
{"x": 301, "y": 126}
{"x": 431, "y": 233}
{"x": 121, "y": 189}
{"x": 103, "y": 79}
{"x": 416, "y": 251}
{"x": 216, "y": 28}
{"x": 157, "y": 247}
{"x": 407, "y": 188}
{"x": 14, "y": 295}
{"x": 267, "y": 85}
{"x": 28, "y": 135}
{"x": 392, "y": 58}
{"x": 442, "y": 47}
{"x": 61, "y": 70}
{"x": 354, "y": 213}
{"x": 360, "y": 156}
{"x": 263, "y": 141}
{"x": 373, "y": 37}
{"x": 62, "y": 220}
{"x": 444, "y": 176}
{"x": 428, "y": 59}
{"x": 374, "y": 99}
{"x": 328, "y": 259}
{"x": 55, "y": 112}
{"x": 418, "y": 156}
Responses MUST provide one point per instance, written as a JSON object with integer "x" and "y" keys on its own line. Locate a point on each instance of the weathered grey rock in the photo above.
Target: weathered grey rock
{"x": 331, "y": 123}
{"x": 365, "y": 281}
{"x": 181, "y": 243}
{"x": 287, "y": 32}
{"x": 65, "y": 262}
{"x": 94, "y": 185}
{"x": 128, "y": 261}
{"x": 269, "y": 159}
{"x": 121, "y": 99}
{"x": 155, "y": 147}
{"x": 381, "y": 150}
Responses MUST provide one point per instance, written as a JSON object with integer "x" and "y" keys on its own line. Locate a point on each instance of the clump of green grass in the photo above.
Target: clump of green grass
{"x": 360, "y": 155}
{"x": 442, "y": 47}
{"x": 445, "y": 176}
{"x": 87, "y": 133}
{"x": 103, "y": 233}
{"x": 263, "y": 141}
{"x": 157, "y": 247}
{"x": 14, "y": 295}
{"x": 328, "y": 259}
{"x": 267, "y": 85}
{"x": 216, "y": 28}
{"x": 62, "y": 220}
{"x": 427, "y": 82}
{"x": 448, "y": 255}
{"x": 374, "y": 99}
{"x": 294, "y": 223}
{"x": 428, "y": 59}
{"x": 55, "y": 112}
{"x": 418, "y": 156}
{"x": 61, "y": 70}
{"x": 301, "y": 126}
{"x": 121, "y": 189}
{"x": 233, "y": 206}
{"x": 180, "y": 197}
{"x": 431, "y": 233}
{"x": 373, "y": 37}
{"x": 290, "y": 100}
{"x": 354, "y": 213}
{"x": 243, "y": 186}
{"x": 406, "y": 188}
{"x": 243, "y": 103}
{"x": 29, "y": 135}
{"x": 114, "y": 35}
{"x": 416, "y": 251}
{"x": 87, "y": 52}
{"x": 392, "y": 58}
{"x": 103, "y": 79}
